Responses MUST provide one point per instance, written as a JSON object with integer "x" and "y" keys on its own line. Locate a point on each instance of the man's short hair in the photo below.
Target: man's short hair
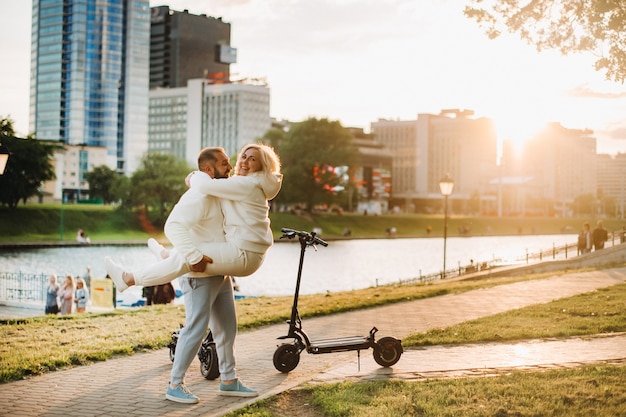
{"x": 208, "y": 155}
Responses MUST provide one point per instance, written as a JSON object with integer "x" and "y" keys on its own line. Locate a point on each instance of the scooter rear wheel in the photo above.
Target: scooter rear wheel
{"x": 209, "y": 367}
{"x": 387, "y": 351}
{"x": 286, "y": 358}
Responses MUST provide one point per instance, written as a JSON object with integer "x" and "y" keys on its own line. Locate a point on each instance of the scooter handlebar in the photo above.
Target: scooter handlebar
{"x": 309, "y": 238}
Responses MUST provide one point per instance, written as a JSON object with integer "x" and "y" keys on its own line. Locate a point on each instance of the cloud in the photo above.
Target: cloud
{"x": 617, "y": 133}
{"x": 584, "y": 91}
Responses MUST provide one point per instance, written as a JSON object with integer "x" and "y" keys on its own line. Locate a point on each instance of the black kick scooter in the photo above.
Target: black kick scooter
{"x": 207, "y": 355}
{"x": 387, "y": 350}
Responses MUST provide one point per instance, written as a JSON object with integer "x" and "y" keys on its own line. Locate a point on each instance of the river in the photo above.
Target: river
{"x": 343, "y": 265}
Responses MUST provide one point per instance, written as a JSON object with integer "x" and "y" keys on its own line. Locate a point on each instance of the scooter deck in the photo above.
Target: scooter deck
{"x": 340, "y": 344}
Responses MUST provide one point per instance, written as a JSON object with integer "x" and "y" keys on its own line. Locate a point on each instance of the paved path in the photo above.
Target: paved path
{"x": 135, "y": 385}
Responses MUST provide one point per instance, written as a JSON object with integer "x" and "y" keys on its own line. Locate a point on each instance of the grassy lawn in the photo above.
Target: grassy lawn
{"x": 597, "y": 391}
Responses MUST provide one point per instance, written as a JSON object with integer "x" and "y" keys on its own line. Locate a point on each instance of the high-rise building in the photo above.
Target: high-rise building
{"x": 184, "y": 46}
{"x": 186, "y": 119}
{"x": 427, "y": 149}
{"x": 611, "y": 172}
{"x": 90, "y": 76}
{"x": 562, "y": 163}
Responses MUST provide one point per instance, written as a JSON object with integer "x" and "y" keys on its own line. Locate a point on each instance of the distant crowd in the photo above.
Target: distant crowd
{"x": 73, "y": 294}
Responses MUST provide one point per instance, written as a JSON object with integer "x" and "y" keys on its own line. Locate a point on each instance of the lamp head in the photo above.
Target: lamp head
{"x": 446, "y": 185}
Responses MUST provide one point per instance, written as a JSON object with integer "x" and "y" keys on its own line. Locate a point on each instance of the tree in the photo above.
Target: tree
{"x": 274, "y": 138}
{"x": 157, "y": 185}
{"x": 29, "y": 165}
{"x": 101, "y": 180}
{"x": 596, "y": 26}
{"x": 583, "y": 205}
{"x": 310, "y": 152}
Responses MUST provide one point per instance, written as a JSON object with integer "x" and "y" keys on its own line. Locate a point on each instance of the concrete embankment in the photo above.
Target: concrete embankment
{"x": 608, "y": 257}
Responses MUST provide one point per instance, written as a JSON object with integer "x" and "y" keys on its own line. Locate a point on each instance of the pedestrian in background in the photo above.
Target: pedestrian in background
{"x": 585, "y": 240}
{"x": 148, "y": 293}
{"x": 600, "y": 236}
{"x": 52, "y": 296}
{"x": 164, "y": 294}
{"x": 66, "y": 294}
{"x": 87, "y": 277}
{"x": 81, "y": 295}
{"x": 114, "y": 291}
{"x": 81, "y": 237}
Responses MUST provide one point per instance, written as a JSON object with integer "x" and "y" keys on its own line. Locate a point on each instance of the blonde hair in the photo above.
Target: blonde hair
{"x": 270, "y": 161}
{"x": 71, "y": 280}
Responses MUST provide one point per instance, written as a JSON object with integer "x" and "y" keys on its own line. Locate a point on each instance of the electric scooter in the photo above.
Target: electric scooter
{"x": 387, "y": 350}
{"x": 207, "y": 355}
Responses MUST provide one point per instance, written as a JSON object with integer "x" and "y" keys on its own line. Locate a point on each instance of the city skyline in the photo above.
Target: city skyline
{"x": 358, "y": 61}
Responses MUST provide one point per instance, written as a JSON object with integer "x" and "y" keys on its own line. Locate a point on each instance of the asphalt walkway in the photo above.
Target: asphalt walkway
{"x": 135, "y": 385}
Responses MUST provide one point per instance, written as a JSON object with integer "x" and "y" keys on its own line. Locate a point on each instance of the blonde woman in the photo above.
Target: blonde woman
{"x": 52, "y": 295}
{"x": 81, "y": 295}
{"x": 244, "y": 199}
{"x": 66, "y": 294}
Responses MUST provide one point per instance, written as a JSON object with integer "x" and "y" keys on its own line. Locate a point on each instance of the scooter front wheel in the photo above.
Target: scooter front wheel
{"x": 387, "y": 351}
{"x": 286, "y": 357}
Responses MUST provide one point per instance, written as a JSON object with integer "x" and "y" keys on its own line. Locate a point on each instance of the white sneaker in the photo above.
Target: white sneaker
{"x": 116, "y": 272}
{"x": 156, "y": 248}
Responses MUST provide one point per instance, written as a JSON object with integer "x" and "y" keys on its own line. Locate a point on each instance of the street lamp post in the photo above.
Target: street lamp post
{"x": 445, "y": 185}
{"x": 61, "y": 221}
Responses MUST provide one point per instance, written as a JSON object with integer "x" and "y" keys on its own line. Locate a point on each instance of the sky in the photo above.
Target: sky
{"x": 357, "y": 61}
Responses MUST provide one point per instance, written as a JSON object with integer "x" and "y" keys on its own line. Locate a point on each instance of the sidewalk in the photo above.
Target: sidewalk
{"x": 135, "y": 385}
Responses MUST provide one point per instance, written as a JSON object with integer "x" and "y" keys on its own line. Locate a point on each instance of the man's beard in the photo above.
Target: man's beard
{"x": 221, "y": 174}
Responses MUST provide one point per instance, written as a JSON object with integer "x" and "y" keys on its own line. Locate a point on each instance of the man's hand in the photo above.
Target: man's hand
{"x": 201, "y": 266}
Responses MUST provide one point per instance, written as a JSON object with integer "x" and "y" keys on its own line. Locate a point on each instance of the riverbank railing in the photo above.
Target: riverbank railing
{"x": 555, "y": 253}
{"x": 23, "y": 288}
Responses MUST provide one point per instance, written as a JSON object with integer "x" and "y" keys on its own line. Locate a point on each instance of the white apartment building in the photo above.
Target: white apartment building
{"x": 425, "y": 150}
{"x": 70, "y": 165}
{"x": 186, "y": 119}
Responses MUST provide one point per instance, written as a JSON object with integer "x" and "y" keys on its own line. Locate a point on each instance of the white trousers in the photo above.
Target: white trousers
{"x": 209, "y": 302}
{"x": 228, "y": 259}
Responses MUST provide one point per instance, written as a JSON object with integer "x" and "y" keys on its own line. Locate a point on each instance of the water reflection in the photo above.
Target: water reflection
{"x": 343, "y": 265}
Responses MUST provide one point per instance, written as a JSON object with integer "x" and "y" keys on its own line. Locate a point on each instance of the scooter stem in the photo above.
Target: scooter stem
{"x": 294, "y": 308}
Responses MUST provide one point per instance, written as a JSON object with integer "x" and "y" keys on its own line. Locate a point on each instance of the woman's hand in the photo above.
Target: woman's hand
{"x": 188, "y": 178}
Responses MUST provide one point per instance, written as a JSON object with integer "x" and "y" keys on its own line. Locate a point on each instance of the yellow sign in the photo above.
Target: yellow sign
{"x": 101, "y": 293}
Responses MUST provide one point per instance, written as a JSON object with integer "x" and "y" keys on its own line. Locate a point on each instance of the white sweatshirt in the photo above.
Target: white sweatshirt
{"x": 244, "y": 201}
{"x": 194, "y": 220}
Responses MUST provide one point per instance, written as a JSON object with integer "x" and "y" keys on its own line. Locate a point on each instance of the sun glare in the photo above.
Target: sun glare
{"x": 517, "y": 129}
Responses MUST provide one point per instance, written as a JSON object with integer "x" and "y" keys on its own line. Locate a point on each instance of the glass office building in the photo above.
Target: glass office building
{"x": 90, "y": 76}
